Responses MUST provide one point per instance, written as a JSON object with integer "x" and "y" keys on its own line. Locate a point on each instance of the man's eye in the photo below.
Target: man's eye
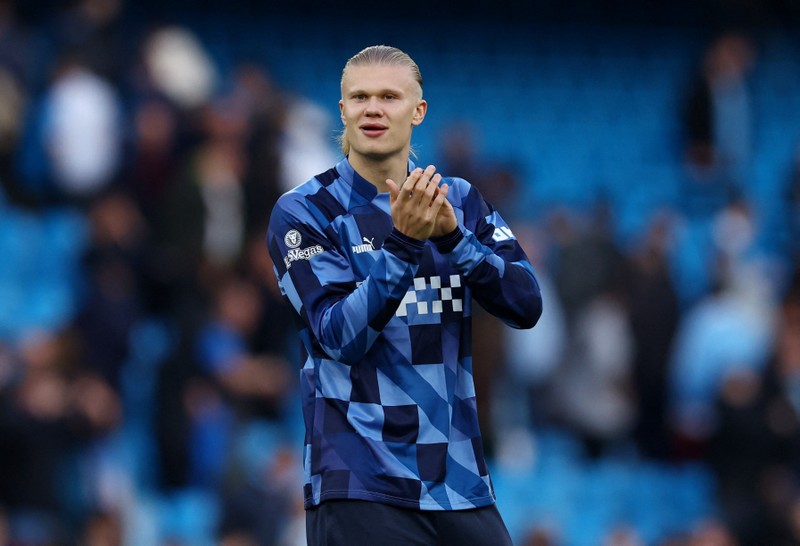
{"x": 359, "y": 97}
{"x": 389, "y": 97}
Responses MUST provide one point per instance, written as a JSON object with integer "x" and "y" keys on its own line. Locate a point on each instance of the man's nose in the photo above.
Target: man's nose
{"x": 373, "y": 107}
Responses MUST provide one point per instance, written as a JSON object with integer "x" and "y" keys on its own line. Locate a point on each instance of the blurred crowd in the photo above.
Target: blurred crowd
{"x": 179, "y": 330}
{"x": 181, "y": 345}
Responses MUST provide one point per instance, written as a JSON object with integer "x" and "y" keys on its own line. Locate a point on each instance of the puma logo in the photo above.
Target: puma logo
{"x": 368, "y": 246}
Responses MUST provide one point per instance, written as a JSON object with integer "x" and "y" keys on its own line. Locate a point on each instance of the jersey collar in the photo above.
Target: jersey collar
{"x": 360, "y": 184}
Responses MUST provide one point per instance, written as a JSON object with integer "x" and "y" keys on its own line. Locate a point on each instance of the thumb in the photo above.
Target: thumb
{"x": 394, "y": 191}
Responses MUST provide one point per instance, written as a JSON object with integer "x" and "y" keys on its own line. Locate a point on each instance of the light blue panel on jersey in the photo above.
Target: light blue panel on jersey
{"x": 456, "y": 500}
{"x": 391, "y": 394}
{"x": 463, "y": 452}
{"x": 367, "y": 419}
{"x": 287, "y": 287}
{"x": 434, "y": 374}
{"x": 389, "y": 461}
{"x": 428, "y": 433}
{"x": 333, "y": 379}
{"x": 434, "y": 498}
{"x": 465, "y": 386}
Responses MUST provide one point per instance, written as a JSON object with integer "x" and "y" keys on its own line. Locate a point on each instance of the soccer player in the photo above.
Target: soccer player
{"x": 381, "y": 261}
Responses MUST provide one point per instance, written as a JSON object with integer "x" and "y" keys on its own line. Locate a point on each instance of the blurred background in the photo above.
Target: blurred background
{"x": 647, "y": 155}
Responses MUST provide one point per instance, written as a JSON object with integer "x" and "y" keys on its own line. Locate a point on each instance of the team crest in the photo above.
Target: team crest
{"x": 292, "y": 238}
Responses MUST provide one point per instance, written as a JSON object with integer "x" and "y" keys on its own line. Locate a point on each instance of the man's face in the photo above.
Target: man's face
{"x": 379, "y": 107}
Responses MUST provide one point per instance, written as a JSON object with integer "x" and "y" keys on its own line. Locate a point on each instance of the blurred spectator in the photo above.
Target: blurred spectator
{"x": 173, "y": 414}
{"x": 586, "y": 257}
{"x": 208, "y": 438}
{"x": 740, "y": 448}
{"x": 273, "y": 333}
{"x": 264, "y": 108}
{"x": 178, "y": 67}
{"x": 623, "y": 535}
{"x": 712, "y": 533}
{"x": 232, "y": 386}
{"x": 253, "y": 383}
{"x": 593, "y": 389}
{"x": 498, "y": 183}
{"x": 74, "y": 149}
{"x": 719, "y": 125}
{"x": 8, "y": 367}
{"x": 792, "y": 200}
{"x": 16, "y": 47}
{"x": 102, "y": 529}
{"x": 237, "y": 538}
{"x": 721, "y": 248}
{"x": 155, "y": 162}
{"x": 306, "y": 148}
{"x": 92, "y": 31}
{"x": 756, "y": 440}
{"x": 12, "y": 113}
{"x": 178, "y": 225}
{"x": 458, "y": 152}
{"x": 197, "y": 218}
{"x": 489, "y": 366}
{"x": 794, "y": 522}
{"x": 50, "y": 413}
{"x": 218, "y": 174}
{"x": 524, "y": 402}
{"x": 200, "y": 215}
{"x": 730, "y": 329}
{"x": 261, "y": 507}
{"x": 500, "y": 186}
{"x": 654, "y": 313}
{"x": 539, "y": 536}
{"x": 117, "y": 284}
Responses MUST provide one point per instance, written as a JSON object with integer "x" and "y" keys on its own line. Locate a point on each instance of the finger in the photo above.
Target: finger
{"x": 422, "y": 184}
{"x": 435, "y": 181}
{"x": 440, "y": 197}
{"x": 394, "y": 191}
{"x": 433, "y": 188}
{"x": 424, "y": 178}
{"x": 412, "y": 179}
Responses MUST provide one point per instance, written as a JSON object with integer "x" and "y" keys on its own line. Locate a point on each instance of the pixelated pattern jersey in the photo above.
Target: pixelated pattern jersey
{"x": 388, "y": 395}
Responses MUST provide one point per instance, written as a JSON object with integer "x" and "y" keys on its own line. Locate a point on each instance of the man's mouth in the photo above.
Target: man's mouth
{"x": 373, "y": 129}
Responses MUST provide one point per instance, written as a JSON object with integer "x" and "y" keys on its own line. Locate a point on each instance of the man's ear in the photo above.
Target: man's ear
{"x": 341, "y": 112}
{"x": 419, "y": 112}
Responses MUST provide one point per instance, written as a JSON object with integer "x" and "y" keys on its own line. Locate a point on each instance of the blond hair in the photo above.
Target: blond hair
{"x": 378, "y": 55}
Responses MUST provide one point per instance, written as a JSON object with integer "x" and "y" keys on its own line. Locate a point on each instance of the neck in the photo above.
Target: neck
{"x": 376, "y": 171}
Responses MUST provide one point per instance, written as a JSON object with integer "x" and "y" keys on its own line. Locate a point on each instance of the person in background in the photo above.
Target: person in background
{"x": 718, "y": 125}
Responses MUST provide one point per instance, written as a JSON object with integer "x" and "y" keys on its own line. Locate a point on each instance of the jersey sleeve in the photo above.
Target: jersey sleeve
{"x": 486, "y": 253}
{"x": 344, "y": 317}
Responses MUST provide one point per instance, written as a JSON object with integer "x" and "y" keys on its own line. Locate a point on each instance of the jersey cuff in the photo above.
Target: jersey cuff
{"x": 446, "y": 243}
{"x": 404, "y": 247}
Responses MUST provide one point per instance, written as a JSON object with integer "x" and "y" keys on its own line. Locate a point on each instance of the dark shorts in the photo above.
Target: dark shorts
{"x": 357, "y": 523}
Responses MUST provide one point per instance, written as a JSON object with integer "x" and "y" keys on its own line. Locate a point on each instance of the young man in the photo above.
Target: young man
{"x": 381, "y": 261}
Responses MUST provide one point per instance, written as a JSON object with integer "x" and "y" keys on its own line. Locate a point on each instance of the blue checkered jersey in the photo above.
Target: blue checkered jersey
{"x": 384, "y": 319}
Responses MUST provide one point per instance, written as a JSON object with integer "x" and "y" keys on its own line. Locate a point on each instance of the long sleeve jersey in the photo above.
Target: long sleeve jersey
{"x": 384, "y": 320}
